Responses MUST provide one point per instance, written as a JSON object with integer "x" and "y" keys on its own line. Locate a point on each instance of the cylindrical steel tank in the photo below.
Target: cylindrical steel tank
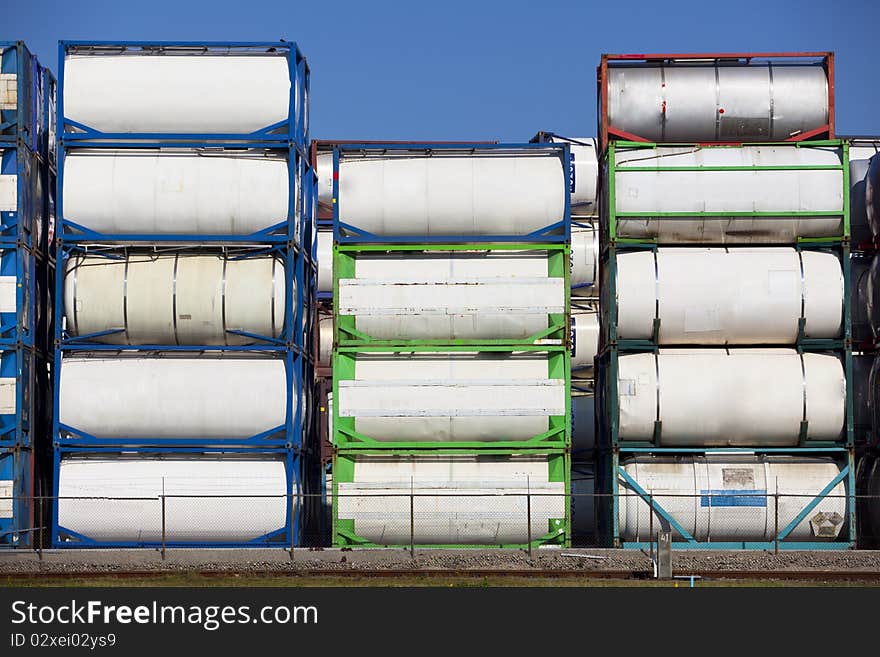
{"x": 583, "y": 174}
{"x": 705, "y": 296}
{"x": 173, "y": 397}
{"x": 451, "y": 397}
{"x": 583, "y": 505}
{"x": 174, "y": 299}
{"x": 325, "y": 178}
{"x": 870, "y": 506}
{"x": 703, "y": 101}
{"x": 486, "y": 295}
{"x": 731, "y": 192}
{"x": 585, "y": 261}
{"x": 583, "y": 423}
{"x": 190, "y": 519}
{"x": 872, "y": 295}
{"x": 173, "y": 193}
{"x": 325, "y": 340}
{"x": 859, "y": 163}
{"x": 731, "y": 397}
{"x": 452, "y": 194}
{"x": 584, "y": 338}
{"x": 732, "y": 497}
{"x": 324, "y": 256}
{"x": 872, "y": 195}
{"x": 171, "y": 93}
{"x": 469, "y": 500}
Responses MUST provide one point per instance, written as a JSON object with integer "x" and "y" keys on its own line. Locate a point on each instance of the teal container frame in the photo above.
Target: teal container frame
{"x": 612, "y": 449}
{"x": 684, "y": 541}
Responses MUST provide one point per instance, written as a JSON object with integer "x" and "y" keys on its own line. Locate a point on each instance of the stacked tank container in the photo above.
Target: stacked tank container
{"x": 583, "y": 184}
{"x": 27, "y": 175}
{"x": 726, "y": 353}
{"x": 184, "y": 282}
{"x": 865, "y": 219}
{"x": 451, "y": 363}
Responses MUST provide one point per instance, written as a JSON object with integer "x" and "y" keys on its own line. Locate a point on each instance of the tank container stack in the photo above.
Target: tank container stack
{"x": 725, "y": 350}
{"x": 584, "y": 271}
{"x": 864, "y": 156}
{"x": 184, "y": 286}
{"x": 27, "y": 176}
{"x": 451, "y": 363}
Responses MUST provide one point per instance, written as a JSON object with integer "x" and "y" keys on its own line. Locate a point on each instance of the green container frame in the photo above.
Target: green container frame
{"x": 559, "y": 255}
{"x": 345, "y": 437}
{"x": 558, "y": 533}
{"x": 610, "y": 232}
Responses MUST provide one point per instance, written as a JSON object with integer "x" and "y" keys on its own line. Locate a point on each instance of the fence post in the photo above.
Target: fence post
{"x": 529, "y": 515}
{"x": 41, "y": 521}
{"x": 776, "y": 522}
{"x": 651, "y": 523}
{"x": 292, "y": 524}
{"x": 163, "y": 527}
{"x": 412, "y": 519}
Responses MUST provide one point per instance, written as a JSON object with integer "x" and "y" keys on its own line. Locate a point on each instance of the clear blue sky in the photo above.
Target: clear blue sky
{"x": 476, "y": 70}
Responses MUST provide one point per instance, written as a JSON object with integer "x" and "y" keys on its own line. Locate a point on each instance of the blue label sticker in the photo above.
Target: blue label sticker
{"x": 730, "y": 497}
{"x": 571, "y": 175}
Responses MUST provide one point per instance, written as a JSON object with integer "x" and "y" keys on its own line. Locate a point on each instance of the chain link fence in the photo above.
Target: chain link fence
{"x": 528, "y": 521}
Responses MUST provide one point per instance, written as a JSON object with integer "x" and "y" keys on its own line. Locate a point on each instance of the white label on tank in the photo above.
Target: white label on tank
{"x": 627, "y": 387}
{"x": 738, "y": 478}
{"x": 6, "y": 498}
{"x": 8, "y": 193}
{"x": 8, "y": 91}
{"x": 7, "y": 294}
{"x": 782, "y": 282}
{"x": 699, "y": 319}
{"x": 7, "y": 396}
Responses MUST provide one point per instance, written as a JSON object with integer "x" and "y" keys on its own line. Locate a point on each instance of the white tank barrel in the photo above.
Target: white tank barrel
{"x": 583, "y": 174}
{"x": 443, "y": 397}
{"x": 325, "y": 341}
{"x": 733, "y": 397}
{"x": 168, "y": 93}
{"x": 728, "y": 296}
{"x": 450, "y": 194}
{"x": 325, "y": 178}
{"x": 174, "y": 299}
{"x": 584, "y": 338}
{"x": 731, "y": 498}
{"x": 146, "y": 192}
{"x": 731, "y": 193}
{"x": 173, "y": 397}
{"x": 205, "y": 519}
{"x": 699, "y": 101}
{"x": 585, "y": 261}
{"x": 324, "y": 256}
{"x": 489, "y": 295}
{"x": 448, "y": 508}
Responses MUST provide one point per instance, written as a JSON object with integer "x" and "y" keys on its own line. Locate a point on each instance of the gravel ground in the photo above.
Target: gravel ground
{"x": 332, "y": 560}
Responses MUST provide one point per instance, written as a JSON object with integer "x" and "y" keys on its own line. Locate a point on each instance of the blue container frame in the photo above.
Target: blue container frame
{"x": 284, "y": 537}
{"x": 293, "y": 131}
{"x": 557, "y": 232}
{"x": 17, "y": 465}
{"x": 291, "y": 239}
{"x": 27, "y": 126}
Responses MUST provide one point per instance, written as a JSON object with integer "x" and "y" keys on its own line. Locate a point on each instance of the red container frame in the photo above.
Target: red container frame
{"x": 608, "y": 132}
